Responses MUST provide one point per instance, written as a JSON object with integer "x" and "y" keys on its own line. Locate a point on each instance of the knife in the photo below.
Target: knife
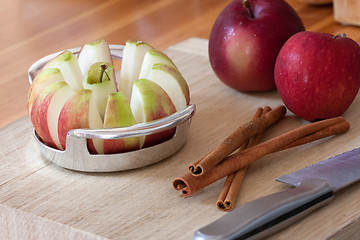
{"x": 314, "y": 187}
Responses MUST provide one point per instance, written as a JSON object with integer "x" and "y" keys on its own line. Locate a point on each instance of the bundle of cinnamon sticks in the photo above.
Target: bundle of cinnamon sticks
{"x": 241, "y": 148}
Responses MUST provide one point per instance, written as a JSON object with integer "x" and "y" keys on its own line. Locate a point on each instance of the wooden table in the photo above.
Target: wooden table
{"x": 39, "y": 200}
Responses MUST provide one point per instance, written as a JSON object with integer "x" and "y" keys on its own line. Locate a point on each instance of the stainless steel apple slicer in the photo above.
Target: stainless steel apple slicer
{"x": 77, "y": 157}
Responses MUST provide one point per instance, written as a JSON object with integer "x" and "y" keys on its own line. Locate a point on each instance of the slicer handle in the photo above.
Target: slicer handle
{"x": 269, "y": 214}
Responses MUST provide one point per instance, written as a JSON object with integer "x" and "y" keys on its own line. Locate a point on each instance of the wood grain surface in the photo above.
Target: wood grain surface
{"x": 39, "y": 200}
{"x": 347, "y": 12}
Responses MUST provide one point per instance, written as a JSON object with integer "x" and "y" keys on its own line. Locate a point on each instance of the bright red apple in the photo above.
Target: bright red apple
{"x": 245, "y": 40}
{"x": 318, "y": 75}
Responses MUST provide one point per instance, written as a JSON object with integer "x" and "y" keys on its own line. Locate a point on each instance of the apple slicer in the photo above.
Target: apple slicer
{"x": 76, "y": 155}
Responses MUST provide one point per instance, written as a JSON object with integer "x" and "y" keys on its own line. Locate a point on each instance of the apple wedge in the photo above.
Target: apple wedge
{"x": 171, "y": 80}
{"x": 67, "y": 62}
{"x": 90, "y": 53}
{"x": 45, "y": 78}
{"x": 80, "y": 111}
{"x": 152, "y": 57}
{"x": 46, "y": 109}
{"x": 118, "y": 114}
{"x": 100, "y": 79}
{"x": 133, "y": 55}
{"x": 150, "y": 102}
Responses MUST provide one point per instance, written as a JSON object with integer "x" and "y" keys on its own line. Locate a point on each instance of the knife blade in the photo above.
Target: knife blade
{"x": 314, "y": 187}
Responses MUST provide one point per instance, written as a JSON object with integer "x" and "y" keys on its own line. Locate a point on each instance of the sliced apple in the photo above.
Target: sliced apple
{"x": 171, "y": 80}
{"x": 100, "y": 79}
{"x": 118, "y": 114}
{"x": 69, "y": 67}
{"x": 83, "y": 92}
{"x": 133, "y": 55}
{"x": 46, "y": 110}
{"x": 45, "y": 78}
{"x": 150, "y": 102}
{"x": 80, "y": 111}
{"x": 90, "y": 53}
{"x": 152, "y": 57}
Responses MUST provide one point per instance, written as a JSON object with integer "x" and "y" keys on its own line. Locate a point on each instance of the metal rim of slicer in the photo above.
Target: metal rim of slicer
{"x": 76, "y": 155}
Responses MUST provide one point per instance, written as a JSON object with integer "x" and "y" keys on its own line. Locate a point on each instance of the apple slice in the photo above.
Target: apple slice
{"x": 133, "y": 55}
{"x": 80, "y": 111}
{"x": 90, "y": 53}
{"x": 69, "y": 67}
{"x": 100, "y": 79}
{"x": 171, "y": 80}
{"x": 118, "y": 114}
{"x": 46, "y": 110}
{"x": 44, "y": 79}
{"x": 150, "y": 102}
{"x": 152, "y": 57}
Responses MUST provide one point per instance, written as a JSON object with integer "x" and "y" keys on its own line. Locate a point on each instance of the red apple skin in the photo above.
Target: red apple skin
{"x": 317, "y": 75}
{"x": 243, "y": 50}
{"x": 74, "y": 115}
{"x": 39, "y": 113}
{"x": 44, "y": 79}
{"x": 158, "y": 105}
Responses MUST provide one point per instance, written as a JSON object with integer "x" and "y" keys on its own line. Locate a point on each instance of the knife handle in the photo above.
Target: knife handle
{"x": 267, "y": 215}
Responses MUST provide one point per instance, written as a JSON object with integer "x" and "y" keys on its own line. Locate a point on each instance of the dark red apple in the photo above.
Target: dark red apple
{"x": 318, "y": 75}
{"x": 245, "y": 40}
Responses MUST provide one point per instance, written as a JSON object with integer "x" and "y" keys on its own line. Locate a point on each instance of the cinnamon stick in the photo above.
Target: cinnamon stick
{"x": 230, "y": 190}
{"x": 236, "y": 139}
{"x": 190, "y": 184}
{"x": 233, "y": 182}
{"x": 244, "y": 158}
{"x": 327, "y": 132}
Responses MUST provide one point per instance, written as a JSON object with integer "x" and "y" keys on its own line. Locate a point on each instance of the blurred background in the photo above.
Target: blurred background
{"x": 31, "y": 29}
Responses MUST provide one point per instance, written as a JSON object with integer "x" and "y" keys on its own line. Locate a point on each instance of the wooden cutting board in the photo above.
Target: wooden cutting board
{"x": 39, "y": 200}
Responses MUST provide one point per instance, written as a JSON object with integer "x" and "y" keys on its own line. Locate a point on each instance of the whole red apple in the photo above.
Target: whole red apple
{"x": 245, "y": 40}
{"x": 317, "y": 74}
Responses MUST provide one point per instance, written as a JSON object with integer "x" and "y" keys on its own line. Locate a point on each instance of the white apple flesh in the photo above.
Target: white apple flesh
{"x": 153, "y": 57}
{"x": 133, "y": 55}
{"x": 90, "y": 53}
{"x": 68, "y": 65}
{"x": 171, "y": 80}
{"x": 150, "y": 102}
